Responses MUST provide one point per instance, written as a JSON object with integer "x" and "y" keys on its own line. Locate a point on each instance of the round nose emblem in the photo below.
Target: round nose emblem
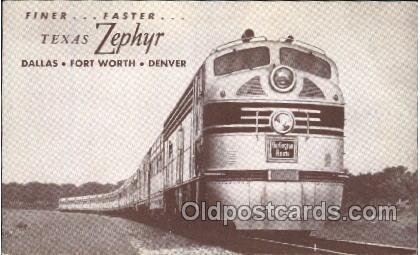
{"x": 282, "y": 121}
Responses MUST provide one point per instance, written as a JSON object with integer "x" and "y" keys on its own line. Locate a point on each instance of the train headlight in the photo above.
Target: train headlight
{"x": 282, "y": 121}
{"x": 282, "y": 78}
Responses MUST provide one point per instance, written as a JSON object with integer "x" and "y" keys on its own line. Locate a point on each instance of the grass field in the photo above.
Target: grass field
{"x": 51, "y": 232}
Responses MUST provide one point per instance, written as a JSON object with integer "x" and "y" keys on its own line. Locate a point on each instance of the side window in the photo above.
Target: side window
{"x": 134, "y": 184}
{"x": 199, "y": 87}
{"x": 159, "y": 164}
{"x": 170, "y": 150}
{"x": 138, "y": 178}
{"x": 180, "y": 139}
{"x": 198, "y": 84}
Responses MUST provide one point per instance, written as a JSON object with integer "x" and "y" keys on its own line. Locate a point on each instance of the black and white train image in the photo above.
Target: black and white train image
{"x": 261, "y": 121}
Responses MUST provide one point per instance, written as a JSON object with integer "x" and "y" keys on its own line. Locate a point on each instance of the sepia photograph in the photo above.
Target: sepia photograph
{"x": 215, "y": 127}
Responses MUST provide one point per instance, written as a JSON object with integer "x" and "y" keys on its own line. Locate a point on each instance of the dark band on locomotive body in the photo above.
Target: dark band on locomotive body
{"x": 261, "y": 121}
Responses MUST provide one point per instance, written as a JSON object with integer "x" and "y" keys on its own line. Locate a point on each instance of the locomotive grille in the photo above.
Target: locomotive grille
{"x": 231, "y": 157}
{"x": 310, "y": 90}
{"x": 251, "y": 87}
{"x": 255, "y": 117}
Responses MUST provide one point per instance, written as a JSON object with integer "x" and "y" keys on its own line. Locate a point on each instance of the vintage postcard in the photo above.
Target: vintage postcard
{"x": 209, "y": 127}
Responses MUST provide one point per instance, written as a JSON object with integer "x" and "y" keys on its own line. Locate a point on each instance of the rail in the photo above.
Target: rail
{"x": 342, "y": 247}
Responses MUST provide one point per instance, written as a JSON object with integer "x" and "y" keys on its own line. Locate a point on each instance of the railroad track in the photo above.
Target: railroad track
{"x": 299, "y": 246}
{"x": 312, "y": 245}
{"x": 269, "y": 245}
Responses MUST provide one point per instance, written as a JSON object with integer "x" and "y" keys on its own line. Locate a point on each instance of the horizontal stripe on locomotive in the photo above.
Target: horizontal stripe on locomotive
{"x": 264, "y": 175}
{"x": 228, "y": 113}
{"x": 269, "y": 129}
{"x": 184, "y": 101}
{"x": 167, "y": 131}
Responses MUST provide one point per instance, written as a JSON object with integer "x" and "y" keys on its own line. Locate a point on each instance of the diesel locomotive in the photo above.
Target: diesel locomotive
{"x": 261, "y": 121}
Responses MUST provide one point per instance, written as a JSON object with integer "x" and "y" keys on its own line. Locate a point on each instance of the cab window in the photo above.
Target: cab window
{"x": 305, "y": 62}
{"x": 241, "y": 59}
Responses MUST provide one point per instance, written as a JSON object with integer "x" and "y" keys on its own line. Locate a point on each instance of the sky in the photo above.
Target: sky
{"x": 74, "y": 125}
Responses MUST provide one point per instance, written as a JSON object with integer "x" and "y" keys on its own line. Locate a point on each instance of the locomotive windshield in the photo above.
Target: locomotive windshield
{"x": 241, "y": 59}
{"x": 305, "y": 62}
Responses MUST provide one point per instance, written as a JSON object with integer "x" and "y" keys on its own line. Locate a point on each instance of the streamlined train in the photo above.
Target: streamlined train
{"x": 261, "y": 121}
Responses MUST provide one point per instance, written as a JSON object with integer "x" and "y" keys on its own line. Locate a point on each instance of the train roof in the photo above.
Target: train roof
{"x": 295, "y": 44}
{"x": 252, "y": 39}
